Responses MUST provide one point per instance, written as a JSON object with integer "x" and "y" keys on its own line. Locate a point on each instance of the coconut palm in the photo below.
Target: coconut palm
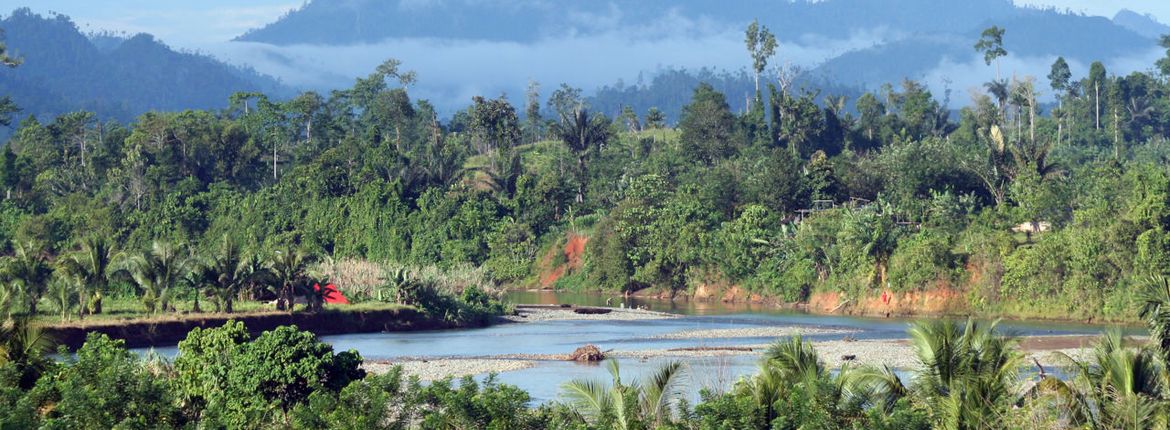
{"x": 583, "y": 134}
{"x": 25, "y": 345}
{"x": 255, "y": 269}
{"x": 91, "y": 267}
{"x": 227, "y": 271}
{"x": 63, "y": 294}
{"x": 200, "y": 279}
{"x": 289, "y": 272}
{"x": 628, "y": 405}
{"x": 157, "y": 273}
{"x": 314, "y": 290}
{"x": 1121, "y": 388}
{"x": 27, "y": 272}
{"x": 791, "y": 364}
{"x": 875, "y": 386}
{"x": 1155, "y": 299}
{"x": 970, "y": 373}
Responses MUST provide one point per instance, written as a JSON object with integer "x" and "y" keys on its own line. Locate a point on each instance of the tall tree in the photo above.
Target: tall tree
{"x": 533, "y": 123}
{"x": 1164, "y": 62}
{"x": 990, "y": 44}
{"x": 1059, "y": 77}
{"x": 1097, "y": 75}
{"x": 566, "y": 100}
{"x": 7, "y": 106}
{"x": 761, "y": 44}
{"x": 1060, "y": 80}
{"x": 707, "y": 127}
{"x": 583, "y": 134}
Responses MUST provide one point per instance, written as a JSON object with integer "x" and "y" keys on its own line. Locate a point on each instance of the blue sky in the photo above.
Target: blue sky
{"x": 199, "y": 23}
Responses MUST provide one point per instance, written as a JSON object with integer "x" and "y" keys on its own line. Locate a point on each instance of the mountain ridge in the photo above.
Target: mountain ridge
{"x": 64, "y": 70}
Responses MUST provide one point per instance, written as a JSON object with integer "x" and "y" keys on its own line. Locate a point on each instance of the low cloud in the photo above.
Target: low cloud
{"x": 452, "y": 71}
{"x": 965, "y": 75}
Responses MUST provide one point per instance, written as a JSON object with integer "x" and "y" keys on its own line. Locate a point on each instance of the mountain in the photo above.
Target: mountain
{"x": 115, "y": 77}
{"x": 346, "y": 22}
{"x": 1144, "y": 25}
{"x": 852, "y": 43}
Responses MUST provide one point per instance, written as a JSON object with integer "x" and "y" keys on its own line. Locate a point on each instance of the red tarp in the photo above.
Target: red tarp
{"x": 332, "y": 294}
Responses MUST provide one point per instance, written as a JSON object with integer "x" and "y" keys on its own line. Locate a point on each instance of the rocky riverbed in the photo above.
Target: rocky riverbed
{"x": 836, "y": 353}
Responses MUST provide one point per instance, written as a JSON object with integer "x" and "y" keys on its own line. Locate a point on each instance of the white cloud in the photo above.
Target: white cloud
{"x": 969, "y": 74}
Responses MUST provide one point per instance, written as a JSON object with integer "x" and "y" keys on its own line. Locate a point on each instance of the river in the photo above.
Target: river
{"x": 560, "y": 337}
{"x": 543, "y": 380}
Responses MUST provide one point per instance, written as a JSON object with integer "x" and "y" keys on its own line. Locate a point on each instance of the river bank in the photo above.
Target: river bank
{"x": 170, "y": 329}
{"x": 936, "y": 303}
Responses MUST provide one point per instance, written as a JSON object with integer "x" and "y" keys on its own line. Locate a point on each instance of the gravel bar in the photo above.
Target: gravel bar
{"x": 433, "y": 370}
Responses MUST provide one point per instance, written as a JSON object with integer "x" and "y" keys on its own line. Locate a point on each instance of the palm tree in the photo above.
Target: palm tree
{"x": 315, "y": 292}
{"x": 227, "y": 271}
{"x": 583, "y": 134}
{"x": 156, "y": 272}
{"x": 199, "y": 278}
{"x": 877, "y": 235}
{"x": 63, "y": 294}
{"x": 789, "y": 364}
{"x": 999, "y": 89}
{"x": 258, "y": 277}
{"x": 1119, "y": 387}
{"x": 25, "y": 345}
{"x": 1155, "y": 297}
{"x": 628, "y": 405}
{"x": 969, "y": 372}
{"x": 28, "y": 272}
{"x": 91, "y": 266}
{"x": 289, "y": 271}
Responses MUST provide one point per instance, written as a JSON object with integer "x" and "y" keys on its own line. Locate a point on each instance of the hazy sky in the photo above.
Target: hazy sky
{"x": 198, "y": 23}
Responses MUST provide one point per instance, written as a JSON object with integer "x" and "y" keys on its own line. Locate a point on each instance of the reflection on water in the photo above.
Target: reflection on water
{"x": 684, "y": 307}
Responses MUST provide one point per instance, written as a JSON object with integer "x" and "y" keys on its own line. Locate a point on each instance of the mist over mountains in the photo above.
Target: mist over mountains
{"x": 466, "y": 47}
{"x": 115, "y": 77}
{"x": 639, "y": 53}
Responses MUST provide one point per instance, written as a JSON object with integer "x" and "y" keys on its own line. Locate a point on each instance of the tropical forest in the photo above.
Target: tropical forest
{"x": 760, "y": 248}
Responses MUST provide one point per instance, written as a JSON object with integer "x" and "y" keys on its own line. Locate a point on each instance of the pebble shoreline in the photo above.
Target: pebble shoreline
{"x": 433, "y": 370}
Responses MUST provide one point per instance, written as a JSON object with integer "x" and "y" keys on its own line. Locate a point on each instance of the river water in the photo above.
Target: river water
{"x": 561, "y": 337}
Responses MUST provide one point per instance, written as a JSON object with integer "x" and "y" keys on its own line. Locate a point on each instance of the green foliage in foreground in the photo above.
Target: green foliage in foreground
{"x": 968, "y": 376}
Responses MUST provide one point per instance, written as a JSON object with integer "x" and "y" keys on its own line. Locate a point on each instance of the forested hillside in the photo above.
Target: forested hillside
{"x": 63, "y": 70}
{"x": 1014, "y": 209}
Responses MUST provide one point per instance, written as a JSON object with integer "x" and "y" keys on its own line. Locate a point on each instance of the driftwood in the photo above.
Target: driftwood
{"x": 592, "y": 311}
{"x": 587, "y": 353}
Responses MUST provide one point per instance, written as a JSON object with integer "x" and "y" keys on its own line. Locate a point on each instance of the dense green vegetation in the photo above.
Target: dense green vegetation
{"x": 801, "y": 194}
{"x": 969, "y": 376}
